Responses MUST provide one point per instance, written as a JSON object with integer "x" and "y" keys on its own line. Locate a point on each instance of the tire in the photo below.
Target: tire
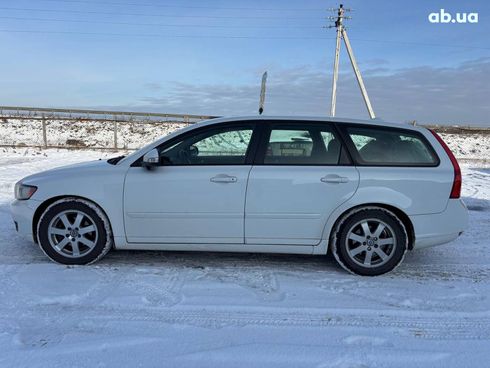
{"x": 74, "y": 231}
{"x": 370, "y": 241}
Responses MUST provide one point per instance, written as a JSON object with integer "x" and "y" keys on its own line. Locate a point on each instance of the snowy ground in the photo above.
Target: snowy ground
{"x": 177, "y": 309}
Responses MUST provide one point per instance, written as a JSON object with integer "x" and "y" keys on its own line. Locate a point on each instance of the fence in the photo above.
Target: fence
{"x": 71, "y": 128}
{"x": 108, "y": 130}
{"x": 19, "y": 111}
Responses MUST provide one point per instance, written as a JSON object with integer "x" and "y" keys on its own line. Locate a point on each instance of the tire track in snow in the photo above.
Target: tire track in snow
{"x": 431, "y": 326}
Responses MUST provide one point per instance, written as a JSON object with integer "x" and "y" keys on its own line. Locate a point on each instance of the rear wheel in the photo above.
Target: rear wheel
{"x": 371, "y": 241}
{"x": 74, "y": 231}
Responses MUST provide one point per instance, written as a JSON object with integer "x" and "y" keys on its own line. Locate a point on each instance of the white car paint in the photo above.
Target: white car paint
{"x": 300, "y": 219}
{"x": 185, "y": 204}
{"x": 179, "y": 208}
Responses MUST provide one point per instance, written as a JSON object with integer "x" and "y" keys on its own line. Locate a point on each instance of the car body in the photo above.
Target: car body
{"x": 259, "y": 184}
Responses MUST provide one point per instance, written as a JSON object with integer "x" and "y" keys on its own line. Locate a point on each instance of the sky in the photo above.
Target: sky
{"x": 207, "y": 57}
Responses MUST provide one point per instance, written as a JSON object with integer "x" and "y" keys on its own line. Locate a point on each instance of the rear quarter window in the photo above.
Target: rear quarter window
{"x": 391, "y": 147}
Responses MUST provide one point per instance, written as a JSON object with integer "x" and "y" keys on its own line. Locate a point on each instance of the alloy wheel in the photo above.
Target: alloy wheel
{"x": 72, "y": 233}
{"x": 370, "y": 243}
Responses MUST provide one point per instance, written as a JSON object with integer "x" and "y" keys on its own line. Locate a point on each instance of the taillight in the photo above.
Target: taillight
{"x": 456, "y": 189}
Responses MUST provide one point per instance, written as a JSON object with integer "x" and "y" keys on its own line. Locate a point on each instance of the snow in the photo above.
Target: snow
{"x": 469, "y": 146}
{"x": 132, "y": 135}
{"x": 178, "y": 309}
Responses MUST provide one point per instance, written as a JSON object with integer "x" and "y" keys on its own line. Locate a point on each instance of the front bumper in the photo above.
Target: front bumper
{"x": 440, "y": 228}
{"x": 22, "y": 214}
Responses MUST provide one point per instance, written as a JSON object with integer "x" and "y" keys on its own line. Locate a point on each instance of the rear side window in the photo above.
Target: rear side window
{"x": 302, "y": 145}
{"x": 378, "y": 146}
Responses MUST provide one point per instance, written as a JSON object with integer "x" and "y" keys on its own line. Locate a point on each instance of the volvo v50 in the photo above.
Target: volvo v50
{"x": 365, "y": 191}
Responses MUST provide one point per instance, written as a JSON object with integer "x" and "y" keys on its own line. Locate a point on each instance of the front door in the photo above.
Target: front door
{"x": 197, "y": 194}
{"x": 302, "y": 174}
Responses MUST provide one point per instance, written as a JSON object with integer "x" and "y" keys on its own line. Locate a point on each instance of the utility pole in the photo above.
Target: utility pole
{"x": 338, "y": 26}
{"x": 342, "y": 34}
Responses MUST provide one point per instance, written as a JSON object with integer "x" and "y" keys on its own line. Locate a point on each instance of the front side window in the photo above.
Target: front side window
{"x": 378, "y": 146}
{"x": 302, "y": 145}
{"x": 226, "y": 146}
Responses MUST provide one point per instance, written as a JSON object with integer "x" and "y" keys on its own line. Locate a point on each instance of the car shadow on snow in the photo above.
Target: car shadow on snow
{"x": 477, "y": 204}
{"x": 202, "y": 260}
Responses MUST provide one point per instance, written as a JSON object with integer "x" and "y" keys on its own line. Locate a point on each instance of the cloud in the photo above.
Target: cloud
{"x": 451, "y": 95}
{"x": 377, "y": 61}
{"x": 152, "y": 86}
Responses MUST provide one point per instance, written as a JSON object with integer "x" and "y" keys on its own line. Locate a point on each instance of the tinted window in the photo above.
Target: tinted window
{"x": 391, "y": 147}
{"x": 302, "y": 145}
{"x": 226, "y": 146}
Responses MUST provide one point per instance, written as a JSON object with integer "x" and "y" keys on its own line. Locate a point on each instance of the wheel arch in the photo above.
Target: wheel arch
{"x": 402, "y": 216}
{"x": 48, "y": 202}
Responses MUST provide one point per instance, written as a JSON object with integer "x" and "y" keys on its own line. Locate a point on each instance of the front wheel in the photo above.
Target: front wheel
{"x": 370, "y": 241}
{"x": 74, "y": 231}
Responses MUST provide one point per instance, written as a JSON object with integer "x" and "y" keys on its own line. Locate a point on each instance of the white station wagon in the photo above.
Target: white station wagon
{"x": 367, "y": 191}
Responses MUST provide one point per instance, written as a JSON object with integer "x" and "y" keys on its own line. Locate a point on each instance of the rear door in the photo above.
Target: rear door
{"x": 300, "y": 175}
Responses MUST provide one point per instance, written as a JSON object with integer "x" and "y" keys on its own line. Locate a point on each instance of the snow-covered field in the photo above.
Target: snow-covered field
{"x": 28, "y": 132}
{"x": 94, "y": 133}
{"x": 177, "y": 309}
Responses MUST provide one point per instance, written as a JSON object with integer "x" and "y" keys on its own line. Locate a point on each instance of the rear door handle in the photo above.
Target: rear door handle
{"x": 334, "y": 179}
{"x": 223, "y": 178}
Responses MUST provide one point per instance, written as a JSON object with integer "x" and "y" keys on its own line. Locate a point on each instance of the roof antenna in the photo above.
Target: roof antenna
{"x": 262, "y": 93}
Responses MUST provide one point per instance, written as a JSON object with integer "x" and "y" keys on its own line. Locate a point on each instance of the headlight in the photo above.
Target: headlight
{"x": 23, "y": 191}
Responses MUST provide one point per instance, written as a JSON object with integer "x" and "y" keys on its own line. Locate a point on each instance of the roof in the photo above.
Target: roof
{"x": 340, "y": 120}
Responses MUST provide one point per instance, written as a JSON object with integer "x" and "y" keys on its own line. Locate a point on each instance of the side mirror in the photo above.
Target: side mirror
{"x": 193, "y": 151}
{"x": 151, "y": 159}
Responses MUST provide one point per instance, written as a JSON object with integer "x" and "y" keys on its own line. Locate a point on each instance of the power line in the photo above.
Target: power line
{"x": 426, "y": 44}
{"x": 164, "y": 35}
{"x": 177, "y": 6}
{"x": 239, "y": 37}
{"x": 153, "y": 24}
{"x": 112, "y": 13}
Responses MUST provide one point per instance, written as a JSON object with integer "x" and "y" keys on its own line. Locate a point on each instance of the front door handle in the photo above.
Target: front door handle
{"x": 334, "y": 179}
{"x": 223, "y": 178}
